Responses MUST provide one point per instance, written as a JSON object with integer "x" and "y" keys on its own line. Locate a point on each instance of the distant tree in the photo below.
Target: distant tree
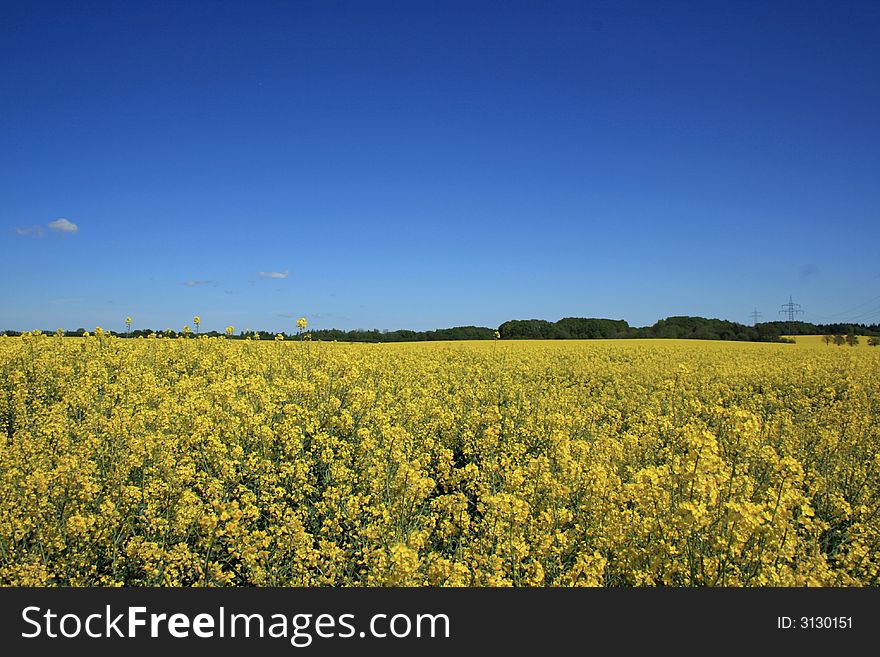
{"x": 839, "y": 339}
{"x": 701, "y": 328}
{"x": 852, "y": 339}
{"x": 828, "y": 338}
{"x": 528, "y": 329}
{"x": 795, "y": 328}
{"x": 590, "y": 328}
{"x": 874, "y": 341}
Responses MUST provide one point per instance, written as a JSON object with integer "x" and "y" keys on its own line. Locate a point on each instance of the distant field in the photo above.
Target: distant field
{"x": 817, "y": 341}
{"x": 192, "y": 462}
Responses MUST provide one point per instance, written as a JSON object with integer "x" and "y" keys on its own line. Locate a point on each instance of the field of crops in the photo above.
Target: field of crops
{"x": 181, "y": 462}
{"x": 818, "y": 341}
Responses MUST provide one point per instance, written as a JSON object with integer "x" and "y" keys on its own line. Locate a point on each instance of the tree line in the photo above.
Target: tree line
{"x": 680, "y": 327}
{"x": 850, "y": 339}
{"x": 567, "y": 328}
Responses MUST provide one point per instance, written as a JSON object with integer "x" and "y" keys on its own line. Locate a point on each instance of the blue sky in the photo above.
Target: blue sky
{"x": 432, "y": 164}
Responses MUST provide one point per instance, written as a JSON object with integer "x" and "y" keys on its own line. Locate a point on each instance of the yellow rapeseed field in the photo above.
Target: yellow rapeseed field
{"x": 207, "y": 461}
{"x": 818, "y": 341}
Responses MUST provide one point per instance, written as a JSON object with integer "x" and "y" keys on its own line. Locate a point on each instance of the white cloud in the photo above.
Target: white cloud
{"x": 64, "y": 226}
{"x": 274, "y": 274}
{"x": 29, "y": 231}
{"x": 194, "y": 283}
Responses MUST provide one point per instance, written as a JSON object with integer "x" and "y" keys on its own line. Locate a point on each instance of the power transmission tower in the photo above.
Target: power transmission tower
{"x": 754, "y": 315}
{"x": 791, "y": 309}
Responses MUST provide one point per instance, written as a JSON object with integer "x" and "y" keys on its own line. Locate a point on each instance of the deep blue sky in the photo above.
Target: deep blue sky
{"x": 432, "y": 164}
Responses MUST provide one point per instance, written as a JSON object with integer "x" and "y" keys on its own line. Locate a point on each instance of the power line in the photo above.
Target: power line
{"x": 857, "y": 306}
{"x": 850, "y": 310}
{"x": 854, "y": 308}
{"x": 867, "y": 314}
{"x": 754, "y": 315}
{"x": 791, "y": 309}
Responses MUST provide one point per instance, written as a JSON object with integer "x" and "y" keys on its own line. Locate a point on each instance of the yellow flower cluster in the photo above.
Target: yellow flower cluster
{"x": 218, "y": 462}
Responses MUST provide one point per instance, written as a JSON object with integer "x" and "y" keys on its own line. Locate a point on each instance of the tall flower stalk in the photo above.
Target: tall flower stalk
{"x": 301, "y": 325}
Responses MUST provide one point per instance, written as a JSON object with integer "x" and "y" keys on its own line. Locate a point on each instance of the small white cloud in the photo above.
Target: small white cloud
{"x": 194, "y": 283}
{"x": 274, "y": 274}
{"x": 29, "y": 231}
{"x": 64, "y": 226}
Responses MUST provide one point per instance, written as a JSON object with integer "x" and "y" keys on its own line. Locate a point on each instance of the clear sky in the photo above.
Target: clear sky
{"x": 429, "y": 164}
